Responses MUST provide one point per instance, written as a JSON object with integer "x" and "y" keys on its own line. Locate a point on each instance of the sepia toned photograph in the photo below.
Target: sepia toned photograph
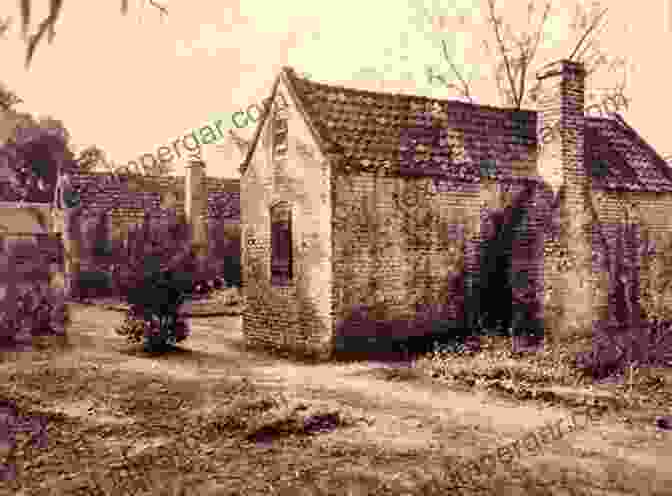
{"x": 335, "y": 248}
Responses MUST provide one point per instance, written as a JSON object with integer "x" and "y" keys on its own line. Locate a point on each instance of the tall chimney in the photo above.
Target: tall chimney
{"x": 196, "y": 203}
{"x": 560, "y": 122}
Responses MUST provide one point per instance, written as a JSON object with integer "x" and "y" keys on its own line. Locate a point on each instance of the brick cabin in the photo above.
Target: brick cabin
{"x": 375, "y": 216}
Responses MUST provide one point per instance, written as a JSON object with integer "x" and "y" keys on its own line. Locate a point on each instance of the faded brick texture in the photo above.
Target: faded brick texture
{"x": 401, "y": 203}
{"x": 295, "y": 315}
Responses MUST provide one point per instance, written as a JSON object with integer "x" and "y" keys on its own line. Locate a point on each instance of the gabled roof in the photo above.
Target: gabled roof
{"x": 289, "y": 77}
{"x": 621, "y": 160}
{"x": 409, "y": 134}
{"x": 399, "y": 132}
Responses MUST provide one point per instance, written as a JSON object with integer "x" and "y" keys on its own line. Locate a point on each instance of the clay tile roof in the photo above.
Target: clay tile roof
{"x": 618, "y": 158}
{"x": 415, "y": 134}
{"x": 418, "y": 135}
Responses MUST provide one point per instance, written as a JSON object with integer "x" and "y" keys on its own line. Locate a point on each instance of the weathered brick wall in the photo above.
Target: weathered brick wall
{"x": 404, "y": 246}
{"x": 398, "y": 252}
{"x": 297, "y": 316}
{"x": 411, "y": 214}
{"x": 649, "y": 213}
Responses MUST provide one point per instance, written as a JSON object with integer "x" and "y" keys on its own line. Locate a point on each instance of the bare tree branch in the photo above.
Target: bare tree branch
{"x": 25, "y": 16}
{"x": 592, "y": 43}
{"x": 544, "y": 17}
{"x": 588, "y": 31}
{"x": 49, "y": 23}
{"x": 162, "y": 9}
{"x": 500, "y": 43}
{"x": 465, "y": 86}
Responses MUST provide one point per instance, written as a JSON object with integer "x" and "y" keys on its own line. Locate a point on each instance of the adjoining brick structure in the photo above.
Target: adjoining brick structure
{"x": 378, "y": 215}
{"x": 206, "y": 202}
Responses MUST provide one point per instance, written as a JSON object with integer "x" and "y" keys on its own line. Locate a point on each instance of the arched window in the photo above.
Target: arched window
{"x": 281, "y": 244}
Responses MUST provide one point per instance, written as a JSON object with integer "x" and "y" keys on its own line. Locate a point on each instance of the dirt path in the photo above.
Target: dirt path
{"x": 111, "y": 399}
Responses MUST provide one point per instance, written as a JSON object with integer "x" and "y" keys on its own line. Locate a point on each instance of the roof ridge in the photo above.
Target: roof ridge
{"x": 410, "y": 97}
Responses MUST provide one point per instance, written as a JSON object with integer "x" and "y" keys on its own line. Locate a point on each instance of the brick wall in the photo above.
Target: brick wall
{"x": 127, "y": 202}
{"x": 399, "y": 252}
{"x": 404, "y": 249}
{"x": 296, "y": 316}
{"x": 648, "y": 212}
{"x": 407, "y": 242}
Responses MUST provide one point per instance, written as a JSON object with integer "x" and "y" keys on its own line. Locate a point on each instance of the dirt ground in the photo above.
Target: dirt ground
{"x": 214, "y": 418}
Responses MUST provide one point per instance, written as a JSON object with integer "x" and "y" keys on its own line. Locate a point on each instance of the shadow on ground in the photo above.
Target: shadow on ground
{"x": 382, "y": 348}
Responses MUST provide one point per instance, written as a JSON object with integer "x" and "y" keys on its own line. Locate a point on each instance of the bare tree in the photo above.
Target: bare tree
{"x": 515, "y": 50}
{"x": 48, "y": 24}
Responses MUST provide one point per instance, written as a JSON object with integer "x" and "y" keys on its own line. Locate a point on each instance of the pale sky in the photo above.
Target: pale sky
{"x": 130, "y": 84}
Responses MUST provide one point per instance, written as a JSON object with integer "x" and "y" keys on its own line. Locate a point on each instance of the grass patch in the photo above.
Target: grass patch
{"x": 267, "y": 417}
{"x": 523, "y": 376}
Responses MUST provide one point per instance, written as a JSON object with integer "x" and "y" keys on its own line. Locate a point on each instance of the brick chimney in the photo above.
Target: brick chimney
{"x": 560, "y": 124}
{"x": 195, "y": 207}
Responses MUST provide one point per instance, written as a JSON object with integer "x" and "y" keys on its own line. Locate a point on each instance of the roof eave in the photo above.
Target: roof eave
{"x": 286, "y": 74}
{"x": 257, "y": 131}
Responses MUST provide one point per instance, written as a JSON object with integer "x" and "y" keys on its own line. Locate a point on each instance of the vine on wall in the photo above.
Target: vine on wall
{"x": 633, "y": 275}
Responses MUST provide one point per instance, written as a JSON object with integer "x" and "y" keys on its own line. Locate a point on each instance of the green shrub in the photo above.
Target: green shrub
{"x": 154, "y": 311}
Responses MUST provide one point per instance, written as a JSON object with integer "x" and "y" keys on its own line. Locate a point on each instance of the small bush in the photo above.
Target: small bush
{"x": 136, "y": 330}
{"x": 154, "y": 312}
{"x": 647, "y": 345}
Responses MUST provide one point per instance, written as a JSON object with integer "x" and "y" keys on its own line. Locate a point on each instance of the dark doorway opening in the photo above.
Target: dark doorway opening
{"x": 495, "y": 297}
{"x": 495, "y": 305}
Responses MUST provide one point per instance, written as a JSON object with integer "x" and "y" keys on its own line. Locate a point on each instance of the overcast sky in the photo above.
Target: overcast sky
{"x": 132, "y": 83}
